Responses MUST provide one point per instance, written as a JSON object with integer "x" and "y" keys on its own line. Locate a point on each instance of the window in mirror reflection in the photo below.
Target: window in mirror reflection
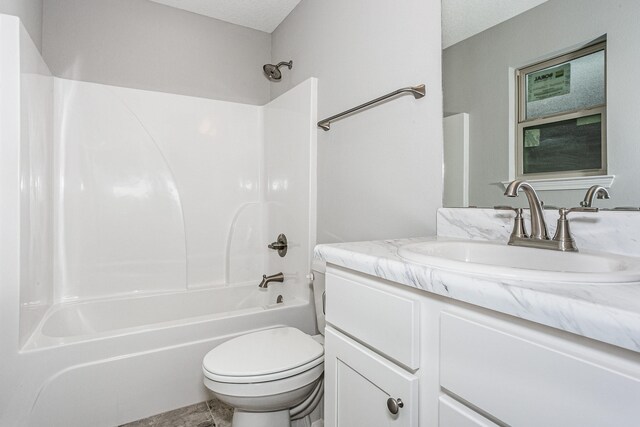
{"x": 562, "y": 116}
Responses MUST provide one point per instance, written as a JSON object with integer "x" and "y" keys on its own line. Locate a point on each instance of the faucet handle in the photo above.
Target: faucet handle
{"x": 518, "y": 223}
{"x": 506, "y": 208}
{"x": 565, "y": 211}
{"x": 563, "y": 235}
{"x": 280, "y": 245}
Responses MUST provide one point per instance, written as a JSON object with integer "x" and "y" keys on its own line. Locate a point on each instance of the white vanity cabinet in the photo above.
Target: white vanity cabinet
{"x": 457, "y": 365}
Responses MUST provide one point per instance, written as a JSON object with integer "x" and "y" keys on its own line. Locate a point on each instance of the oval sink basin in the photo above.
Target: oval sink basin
{"x": 516, "y": 262}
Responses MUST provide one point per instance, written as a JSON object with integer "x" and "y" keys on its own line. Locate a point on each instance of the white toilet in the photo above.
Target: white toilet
{"x": 270, "y": 377}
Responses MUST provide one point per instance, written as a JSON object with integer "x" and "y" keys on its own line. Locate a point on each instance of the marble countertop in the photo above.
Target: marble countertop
{"x": 607, "y": 313}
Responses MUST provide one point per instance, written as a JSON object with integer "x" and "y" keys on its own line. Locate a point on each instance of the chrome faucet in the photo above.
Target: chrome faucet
{"x": 594, "y": 191}
{"x": 538, "y": 224}
{"x": 278, "y": 277}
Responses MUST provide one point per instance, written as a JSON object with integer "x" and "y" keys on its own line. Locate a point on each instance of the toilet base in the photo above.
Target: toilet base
{"x": 261, "y": 419}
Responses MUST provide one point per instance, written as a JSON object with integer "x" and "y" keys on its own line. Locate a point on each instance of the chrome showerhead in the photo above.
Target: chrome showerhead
{"x": 273, "y": 71}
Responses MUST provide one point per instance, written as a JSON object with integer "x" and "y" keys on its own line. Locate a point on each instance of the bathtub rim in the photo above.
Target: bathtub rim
{"x": 38, "y": 341}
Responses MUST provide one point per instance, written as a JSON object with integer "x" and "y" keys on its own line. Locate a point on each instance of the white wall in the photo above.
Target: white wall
{"x": 479, "y": 73}
{"x": 380, "y": 171}
{"x": 30, "y": 13}
{"x": 145, "y": 45}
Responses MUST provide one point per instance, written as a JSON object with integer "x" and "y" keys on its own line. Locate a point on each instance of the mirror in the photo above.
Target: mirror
{"x": 480, "y": 103}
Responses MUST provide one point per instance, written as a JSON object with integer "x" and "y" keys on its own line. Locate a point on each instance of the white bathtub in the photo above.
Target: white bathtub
{"x": 110, "y": 361}
{"x": 88, "y": 320}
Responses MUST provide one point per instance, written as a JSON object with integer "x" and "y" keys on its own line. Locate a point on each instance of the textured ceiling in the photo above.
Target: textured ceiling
{"x": 462, "y": 19}
{"x": 263, "y": 15}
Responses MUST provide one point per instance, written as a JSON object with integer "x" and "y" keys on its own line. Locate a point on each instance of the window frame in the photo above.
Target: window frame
{"x": 522, "y": 122}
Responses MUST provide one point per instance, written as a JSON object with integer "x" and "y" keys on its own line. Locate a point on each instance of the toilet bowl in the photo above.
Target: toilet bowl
{"x": 271, "y": 376}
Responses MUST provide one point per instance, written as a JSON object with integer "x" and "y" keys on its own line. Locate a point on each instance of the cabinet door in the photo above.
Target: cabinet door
{"x": 359, "y": 385}
{"x": 527, "y": 378}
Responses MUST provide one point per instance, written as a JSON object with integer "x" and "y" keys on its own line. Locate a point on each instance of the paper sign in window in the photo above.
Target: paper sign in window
{"x": 549, "y": 83}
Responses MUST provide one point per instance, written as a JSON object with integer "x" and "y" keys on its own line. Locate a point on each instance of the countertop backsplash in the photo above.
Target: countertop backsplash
{"x": 604, "y": 231}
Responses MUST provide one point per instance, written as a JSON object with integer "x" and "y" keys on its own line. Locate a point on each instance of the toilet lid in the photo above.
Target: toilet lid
{"x": 263, "y": 353}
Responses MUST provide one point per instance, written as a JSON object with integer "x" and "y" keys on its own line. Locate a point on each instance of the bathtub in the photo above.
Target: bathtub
{"x": 110, "y": 361}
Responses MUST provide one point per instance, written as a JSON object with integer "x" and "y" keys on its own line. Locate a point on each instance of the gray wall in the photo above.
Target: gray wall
{"x": 478, "y": 71}
{"x": 145, "y": 45}
{"x": 30, "y": 13}
{"x": 380, "y": 171}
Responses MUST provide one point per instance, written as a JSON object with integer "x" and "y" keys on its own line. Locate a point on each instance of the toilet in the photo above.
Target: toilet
{"x": 273, "y": 376}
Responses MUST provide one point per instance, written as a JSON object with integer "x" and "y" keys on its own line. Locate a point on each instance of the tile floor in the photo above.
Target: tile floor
{"x": 212, "y": 413}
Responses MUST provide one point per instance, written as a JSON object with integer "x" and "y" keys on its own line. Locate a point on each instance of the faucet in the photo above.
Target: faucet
{"x": 539, "y": 238}
{"x": 538, "y": 224}
{"x": 278, "y": 277}
{"x": 594, "y": 191}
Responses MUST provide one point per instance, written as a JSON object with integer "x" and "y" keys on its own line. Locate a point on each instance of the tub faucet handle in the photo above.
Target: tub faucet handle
{"x": 280, "y": 245}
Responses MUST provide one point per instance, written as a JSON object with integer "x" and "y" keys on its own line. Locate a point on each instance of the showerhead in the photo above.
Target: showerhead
{"x": 273, "y": 71}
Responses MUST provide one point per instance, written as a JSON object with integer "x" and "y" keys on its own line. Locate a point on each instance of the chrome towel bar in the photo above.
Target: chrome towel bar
{"x": 417, "y": 91}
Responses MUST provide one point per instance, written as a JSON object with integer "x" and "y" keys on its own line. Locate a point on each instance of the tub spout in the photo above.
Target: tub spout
{"x": 278, "y": 277}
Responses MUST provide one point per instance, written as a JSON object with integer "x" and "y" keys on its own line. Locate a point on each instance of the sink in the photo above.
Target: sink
{"x": 499, "y": 260}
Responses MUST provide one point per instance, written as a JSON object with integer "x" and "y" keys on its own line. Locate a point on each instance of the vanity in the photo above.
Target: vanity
{"x": 418, "y": 334}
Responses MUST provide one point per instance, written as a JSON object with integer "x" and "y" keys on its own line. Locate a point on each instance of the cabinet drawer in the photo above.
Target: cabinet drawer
{"x": 386, "y": 321}
{"x": 454, "y": 414}
{"x": 525, "y": 378}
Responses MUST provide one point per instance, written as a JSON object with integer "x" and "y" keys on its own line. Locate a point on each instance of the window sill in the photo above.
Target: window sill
{"x": 574, "y": 183}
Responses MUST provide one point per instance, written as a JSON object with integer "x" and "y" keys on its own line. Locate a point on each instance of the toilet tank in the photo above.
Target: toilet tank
{"x": 319, "y": 268}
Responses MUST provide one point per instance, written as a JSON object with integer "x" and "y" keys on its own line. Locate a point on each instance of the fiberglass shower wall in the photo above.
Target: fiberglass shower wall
{"x": 148, "y": 186}
{"x": 26, "y": 222}
{"x": 162, "y": 192}
{"x": 290, "y": 157}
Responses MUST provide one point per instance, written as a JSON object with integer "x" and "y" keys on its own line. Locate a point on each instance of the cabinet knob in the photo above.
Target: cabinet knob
{"x": 394, "y": 405}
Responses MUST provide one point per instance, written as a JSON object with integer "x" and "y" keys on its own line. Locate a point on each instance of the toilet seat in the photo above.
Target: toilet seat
{"x": 263, "y": 356}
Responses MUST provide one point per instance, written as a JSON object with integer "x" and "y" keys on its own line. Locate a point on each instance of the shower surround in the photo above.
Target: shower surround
{"x": 134, "y": 228}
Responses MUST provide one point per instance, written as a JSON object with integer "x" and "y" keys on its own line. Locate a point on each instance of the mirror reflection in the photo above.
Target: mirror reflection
{"x": 542, "y": 59}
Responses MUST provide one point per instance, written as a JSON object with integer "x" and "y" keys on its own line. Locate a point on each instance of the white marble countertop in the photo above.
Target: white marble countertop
{"x": 607, "y": 313}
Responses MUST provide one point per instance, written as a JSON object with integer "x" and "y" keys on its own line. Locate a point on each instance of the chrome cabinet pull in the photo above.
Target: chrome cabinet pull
{"x": 394, "y": 405}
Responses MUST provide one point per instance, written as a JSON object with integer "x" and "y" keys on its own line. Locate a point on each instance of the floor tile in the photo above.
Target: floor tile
{"x": 221, "y": 413}
{"x": 198, "y": 415}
